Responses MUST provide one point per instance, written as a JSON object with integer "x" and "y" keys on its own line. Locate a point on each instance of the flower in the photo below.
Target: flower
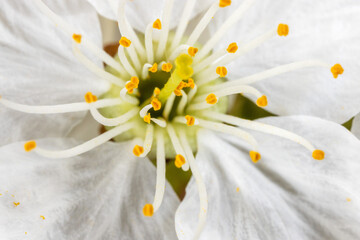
{"x": 164, "y": 91}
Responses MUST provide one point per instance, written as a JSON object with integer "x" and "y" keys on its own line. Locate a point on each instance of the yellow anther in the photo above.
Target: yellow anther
{"x": 90, "y": 98}
{"x": 232, "y": 48}
{"x": 192, "y": 51}
{"x": 148, "y": 210}
{"x": 255, "y": 156}
{"x": 135, "y": 80}
{"x": 190, "y": 120}
{"x": 147, "y": 118}
{"x": 348, "y": 199}
{"x": 337, "y": 70}
{"x": 154, "y": 68}
{"x": 157, "y": 24}
{"x": 166, "y": 67}
{"x": 138, "y": 150}
{"x": 222, "y": 71}
{"x": 237, "y": 189}
{"x": 283, "y": 29}
{"x": 16, "y": 204}
{"x": 130, "y": 87}
{"x": 156, "y": 92}
{"x": 318, "y": 154}
{"x": 178, "y": 92}
{"x": 77, "y": 37}
{"x": 29, "y": 146}
{"x": 224, "y": 3}
{"x": 156, "y": 104}
{"x": 125, "y": 42}
{"x": 262, "y": 101}
{"x": 43, "y": 218}
{"x": 179, "y": 160}
{"x": 190, "y": 83}
{"x": 211, "y": 99}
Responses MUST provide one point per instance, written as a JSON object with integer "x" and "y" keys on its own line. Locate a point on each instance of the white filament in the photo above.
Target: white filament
{"x": 168, "y": 106}
{"x": 149, "y": 43}
{"x": 184, "y": 20}
{"x": 261, "y": 127}
{"x": 86, "y": 146}
{"x": 182, "y": 103}
{"x": 95, "y": 69}
{"x": 149, "y": 136}
{"x": 235, "y": 16}
{"x": 145, "y": 70}
{"x": 127, "y": 98}
{"x": 200, "y": 184}
{"x": 177, "y": 146}
{"x": 62, "y": 108}
{"x": 203, "y": 24}
{"x": 160, "y": 170}
{"x": 144, "y": 111}
{"x": 123, "y": 59}
{"x": 112, "y": 121}
{"x": 165, "y": 28}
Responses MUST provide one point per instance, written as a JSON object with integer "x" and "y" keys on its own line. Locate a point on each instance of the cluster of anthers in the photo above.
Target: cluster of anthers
{"x": 168, "y": 87}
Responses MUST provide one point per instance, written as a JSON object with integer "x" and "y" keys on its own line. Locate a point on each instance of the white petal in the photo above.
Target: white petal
{"x": 355, "y": 128}
{"x": 99, "y": 195}
{"x": 287, "y": 195}
{"x": 142, "y": 12}
{"x": 37, "y": 66}
{"x": 318, "y": 30}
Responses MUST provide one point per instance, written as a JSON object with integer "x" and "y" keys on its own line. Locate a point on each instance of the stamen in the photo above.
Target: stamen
{"x": 232, "y": 48}
{"x": 201, "y": 64}
{"x": 205, "y": 20}
{"x": 100, "y": 72}
{"x": 77, "y": 38}
{"x": 269, "y": 73}
{"x": 165, "y": 31}
{"x": 64, "y": 26}
{"x": 192, "y": 51}
{"x": 211, "y": 99}
{"x": 160, "y": 122}
{"x": 318, "y": 154}
{"x": 148, "y": 210}
{"x": 157, "y": 24}
{"x": 202, "y": 103}
{"x": 224, "y": 3}
{"x": 156, "y": 104}
{"x": 283, "y": 30}
{"x": 125, "y": 42}
{"x": 90, "y": 98}
{"x": 337, "y": 70}
{"x": 154, "y": 68}
{"x": 62, "y": 108}
{"x": 182, "y": 103}
{"x": 144, "y": 111}
{"x": 113, "y": 121}
{"x": 190, "y": 120}
{"x": 28, "y": 146}
{"x": 166, "y": 67}
{"x": 147, "y": 118}
{"x": 208, "y": 75}
{"x": 262, "y": 101}
{"x": 234, "y": 18}
{"x": 191, "y": 83}
{"x": 125, "y": 62}
{"x": 126, "y": 29}
{"x": 86, "y": 146}
{"x": 127, "y": 98}
{"x": 257, "y": 126}
{"x": 145, "y": 70}
{"x": 178, "y": 148}
{"x": 148, "y": 139}
{"x": 192, "y": 93}
{"x": 169, "y": 105}
{"x": 149, "y": 43}
{"x": 156, "y": 92}
{"x": 200, "y": 184}
{"x": 184, "y": 20}
{"x": 138, "y": 150}
{"x": 222, "y": 71}
{"x": 255, "y": 156}
{"x": 160, "y": 170}
{"x": 178, "y": 89}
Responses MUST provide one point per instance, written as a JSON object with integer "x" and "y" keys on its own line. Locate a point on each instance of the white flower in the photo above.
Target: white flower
{"x": 100, "y": 192}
